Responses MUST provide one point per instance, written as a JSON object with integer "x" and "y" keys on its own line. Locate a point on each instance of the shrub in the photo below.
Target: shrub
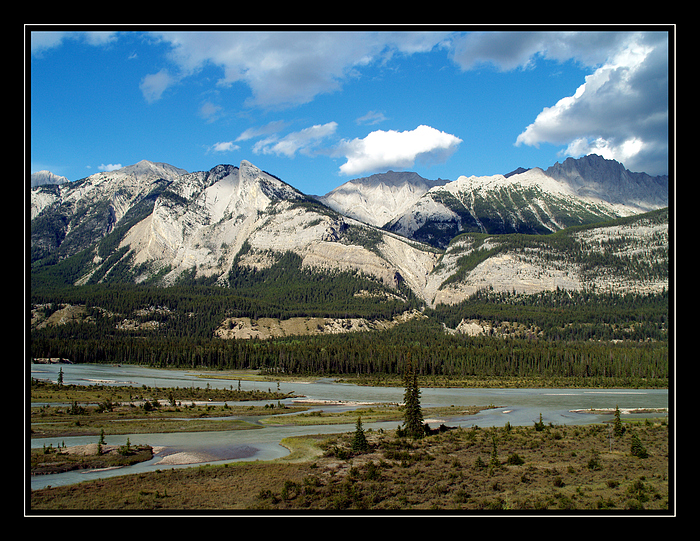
{"x": 371, "y": 472}
{"x": 125, "y": 450}
{"x": 594, "y": 462}
{"x": 514, "y": 460}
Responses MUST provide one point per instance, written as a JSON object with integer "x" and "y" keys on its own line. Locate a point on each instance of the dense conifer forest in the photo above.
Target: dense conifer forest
{"x": 599, "y": 340}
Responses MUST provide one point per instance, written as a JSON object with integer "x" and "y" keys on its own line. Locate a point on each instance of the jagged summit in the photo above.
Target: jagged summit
{"x": 531, "y": 201}
{"x": 158, "y": 223}
{"x": 46, "y": 177}
{"x": 607, "y": 180}
{"x": 517, "y": 171}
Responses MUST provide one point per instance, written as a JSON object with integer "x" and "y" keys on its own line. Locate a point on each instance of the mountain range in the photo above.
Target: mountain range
{"x": 532, "y": 201}
{"x": 438, "y": 240}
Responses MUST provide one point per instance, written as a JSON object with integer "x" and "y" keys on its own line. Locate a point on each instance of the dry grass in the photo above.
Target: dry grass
{"x": 563, "y": 468}
{"x": 568, "y": 468}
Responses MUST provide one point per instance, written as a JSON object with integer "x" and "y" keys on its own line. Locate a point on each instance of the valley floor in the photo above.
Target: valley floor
{"x": 508, "y": 470}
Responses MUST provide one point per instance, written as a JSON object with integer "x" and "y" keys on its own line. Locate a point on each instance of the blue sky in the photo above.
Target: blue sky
{"x": 319, "y": 108}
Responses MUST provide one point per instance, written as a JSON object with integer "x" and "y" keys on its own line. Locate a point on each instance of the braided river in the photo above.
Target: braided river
{"x": 519, "y": 407}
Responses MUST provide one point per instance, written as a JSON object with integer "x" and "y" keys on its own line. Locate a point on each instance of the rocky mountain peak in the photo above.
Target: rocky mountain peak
{"x": 43, "y": 177}
{"x": 139, "y": 173}
{"x": 163, "y": 222}
{"x": 148, "y": 168}
{"x": 532, "y": 201}
{"x": 517, "y": 171}
{"x": 378, "y": 198}
{"x": 587, "y": 169}
{"x": 599, "y": 178}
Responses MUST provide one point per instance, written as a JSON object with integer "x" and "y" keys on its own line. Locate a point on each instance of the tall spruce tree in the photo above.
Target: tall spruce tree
{"x": 359, "y": 442}
{"x": 618, "y": 429}
{"x": 413, "y": 415}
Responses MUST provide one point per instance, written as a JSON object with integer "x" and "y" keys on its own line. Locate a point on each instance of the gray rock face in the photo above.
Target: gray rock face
{"x": 607, "y": 180}
{"x": 46, "y": 177}
{"x": 163, "y": 221}
{"x": 533, "y": 201}
{"x": 378, "y": 199}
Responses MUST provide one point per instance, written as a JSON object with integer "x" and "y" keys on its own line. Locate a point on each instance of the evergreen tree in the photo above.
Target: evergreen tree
{"x": 618, "y": 429}
{"x": 637, "y": 449}
{"x": 413, "y": 415}
{"x": 359, "y": 442}
{"x": 494, "y": 462}
{"x": 539, "y": 426}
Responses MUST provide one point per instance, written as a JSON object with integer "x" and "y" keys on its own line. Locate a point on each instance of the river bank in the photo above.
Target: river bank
{"x": 328, "y": 400}
{"x": 93, "y": 456}
{"x": 513, "y": 470}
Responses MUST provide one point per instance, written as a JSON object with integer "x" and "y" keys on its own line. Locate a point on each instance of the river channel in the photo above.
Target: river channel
{"x": 519, "y": 407}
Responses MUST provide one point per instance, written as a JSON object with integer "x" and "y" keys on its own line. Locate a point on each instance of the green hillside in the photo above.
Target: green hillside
{"x": 585, "y": 338}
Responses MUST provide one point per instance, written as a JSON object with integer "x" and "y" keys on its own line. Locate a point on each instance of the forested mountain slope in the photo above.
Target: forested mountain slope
{"x": 623, "y": 255}
{"x": 235, "y": 268}
{"x": 577, "y": 192}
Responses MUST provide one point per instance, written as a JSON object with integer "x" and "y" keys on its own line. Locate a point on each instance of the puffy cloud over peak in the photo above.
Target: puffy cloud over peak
{"x": 621, "y": 110}
{"x": 381, "y": 150}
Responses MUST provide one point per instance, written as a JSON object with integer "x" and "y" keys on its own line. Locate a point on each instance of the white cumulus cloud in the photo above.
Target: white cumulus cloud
{"x": 621, "y": 108}
{"x": 283, "y": 69}
{"x": 110, "y": 167}
{"x": 301, "y": 141}
{"x": 382, "y": 150}
{"x": 624, "y": 152}
{"x": 224, "y": 146}
{"x": 620, "y": 111}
